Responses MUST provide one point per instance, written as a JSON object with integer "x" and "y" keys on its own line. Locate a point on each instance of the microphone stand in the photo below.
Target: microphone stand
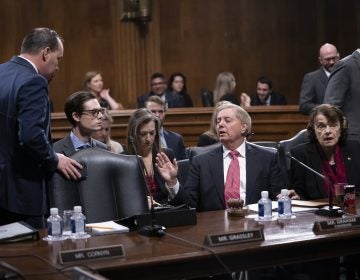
{"x": 330, "y": 212}
{"x": 152, "y": 230}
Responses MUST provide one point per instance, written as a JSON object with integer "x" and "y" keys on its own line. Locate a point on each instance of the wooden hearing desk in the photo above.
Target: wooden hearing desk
{"x": 169, "y": 258}
{"x": 270, "y": 123}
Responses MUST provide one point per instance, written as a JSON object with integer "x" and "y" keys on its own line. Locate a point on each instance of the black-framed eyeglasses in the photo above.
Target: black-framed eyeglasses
{"x": 94, "y": 112}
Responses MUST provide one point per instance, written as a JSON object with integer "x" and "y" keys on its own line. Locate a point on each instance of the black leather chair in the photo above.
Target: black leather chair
{"x": 194, "y": 151}
{"x": 112, "y": 187}
{"x": 207, "y": 97}
{"x": 183, "y": 170}
{"x": 286, "y": 145}
{"x": 272, "y": 144}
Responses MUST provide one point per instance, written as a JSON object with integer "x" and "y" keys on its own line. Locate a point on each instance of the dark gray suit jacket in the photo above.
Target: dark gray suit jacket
{"x": 343, "y": 90}
{"x": 175, "y": 142}
{"x": 312, "y": 90}
{"x": 66, "y": 147}
{"x": 204, "y": 187}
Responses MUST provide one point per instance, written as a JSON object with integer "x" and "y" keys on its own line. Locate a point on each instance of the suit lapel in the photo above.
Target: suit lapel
{"x": 350, "y": 172}
{"x": 315, "y": 163}
{"x": 356, "y": 56}
{"x": 216, "y": 164}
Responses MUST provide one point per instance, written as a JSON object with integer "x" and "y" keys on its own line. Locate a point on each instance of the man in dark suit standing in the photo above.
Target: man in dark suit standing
{"x": 85, "y": 115}
{"x": 205, "y": 186}
{"x": 159, "y": 88}
{"x": 265, "y": 95}
{"x": 26, "y": 154}
{"x": 343, "y": 90}
{"x": 168, "y": 139}
{"x": 314, "y": 83}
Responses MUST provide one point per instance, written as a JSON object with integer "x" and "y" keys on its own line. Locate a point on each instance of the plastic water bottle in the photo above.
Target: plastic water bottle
{"x": 54, "y": 226}
{"x": 78, "y": 221}
{"x": 284, "y": 205}
{"x": 265, "y": 206}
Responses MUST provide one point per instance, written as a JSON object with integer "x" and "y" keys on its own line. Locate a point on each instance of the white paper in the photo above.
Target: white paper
{"x": 106, "y": 227}
{"x": 13, "y": 229}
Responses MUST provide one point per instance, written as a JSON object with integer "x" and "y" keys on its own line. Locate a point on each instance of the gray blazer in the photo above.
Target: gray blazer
{"x": 343, "y": 90}
{"x": 66, "y": 147}
{"x": 312, "y": 90}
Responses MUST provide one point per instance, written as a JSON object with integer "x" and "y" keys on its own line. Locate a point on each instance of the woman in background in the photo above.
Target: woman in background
{"x": 143, "y": 139}
{"x": 104, "y": 135}
{"x": 177, "y": 84}
{"x": 93, "y": 82}
{"x": 225, "y": 90}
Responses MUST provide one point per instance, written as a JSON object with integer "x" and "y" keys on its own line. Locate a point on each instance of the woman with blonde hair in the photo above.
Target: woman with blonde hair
{"x": 104, "y": 134}
{"x": 225, "y": 90}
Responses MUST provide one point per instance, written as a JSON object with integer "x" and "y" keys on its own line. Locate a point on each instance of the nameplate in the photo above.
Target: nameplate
{"x": 235, "y": 237}
{"x": 339, "y": 224}
{"x": 107, "y": 252}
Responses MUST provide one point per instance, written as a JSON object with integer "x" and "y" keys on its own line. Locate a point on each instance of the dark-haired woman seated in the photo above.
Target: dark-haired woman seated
{"x": 143, "y": 139}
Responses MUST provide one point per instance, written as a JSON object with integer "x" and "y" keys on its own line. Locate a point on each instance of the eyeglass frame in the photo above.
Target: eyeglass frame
{"x": 93, "y": 112}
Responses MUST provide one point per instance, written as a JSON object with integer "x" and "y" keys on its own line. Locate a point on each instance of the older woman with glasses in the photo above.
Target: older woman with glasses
{"x": 143, "y": 140}
{"x": 328, "y": 152}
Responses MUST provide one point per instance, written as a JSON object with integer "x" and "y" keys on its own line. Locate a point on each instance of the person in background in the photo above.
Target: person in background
{"x": 143, "y": 140}
{"x": 225, "y": 90}
{"x": 265, "y": 95}
{"x": 314, "y": 83}
{"x": 177, "y": 84}
{"x": 159, "y": 88}
{"x": 343, "y": 90}
{"x": 93, "y": 82}
{"x": 84, "y": 113}
{"x": 168, "y": 139}
{"x": 104, "y": 134}
{"x": 237, "y": 169}
{"x": 328, "y": 152}
{"x": 27, "y": 157}
{"x": 210, "y": 137}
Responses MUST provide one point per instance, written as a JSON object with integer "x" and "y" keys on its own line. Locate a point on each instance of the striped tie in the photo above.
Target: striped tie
{"x": 232, "y": 184}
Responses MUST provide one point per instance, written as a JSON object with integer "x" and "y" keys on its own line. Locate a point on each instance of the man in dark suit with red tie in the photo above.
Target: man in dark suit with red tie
{"x": 205, "y": 186}
{"x": 26, "y": 154}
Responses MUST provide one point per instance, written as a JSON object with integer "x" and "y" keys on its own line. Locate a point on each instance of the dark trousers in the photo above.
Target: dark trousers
{"x": 6, "y": 217}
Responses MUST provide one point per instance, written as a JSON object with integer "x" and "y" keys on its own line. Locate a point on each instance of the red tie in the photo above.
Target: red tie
{"x": 232, "y": 184}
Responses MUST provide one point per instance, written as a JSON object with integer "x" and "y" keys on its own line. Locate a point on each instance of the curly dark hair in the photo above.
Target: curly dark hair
{"x": 333, "y": 114}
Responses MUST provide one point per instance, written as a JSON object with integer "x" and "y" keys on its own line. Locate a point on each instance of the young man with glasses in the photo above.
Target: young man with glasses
{"x": 159, "y": 88}
{"x": 85, "y": 114}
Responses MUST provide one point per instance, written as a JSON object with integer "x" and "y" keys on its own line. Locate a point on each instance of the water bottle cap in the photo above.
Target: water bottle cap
{"x": 264, "y": 194}
{"x": 54, "y": 211}
{"x": 77, "y": 209}
{"x": 284, "y": 192}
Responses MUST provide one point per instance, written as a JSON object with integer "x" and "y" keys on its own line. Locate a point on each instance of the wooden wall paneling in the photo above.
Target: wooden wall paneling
{"x": 137, "y": 55}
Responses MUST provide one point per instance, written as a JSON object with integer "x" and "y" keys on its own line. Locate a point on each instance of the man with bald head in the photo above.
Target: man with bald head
{"x": 314, "y": 83}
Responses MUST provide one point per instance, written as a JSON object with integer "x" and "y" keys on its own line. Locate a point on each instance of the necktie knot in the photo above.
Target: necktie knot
{"x": 234, "y": 154}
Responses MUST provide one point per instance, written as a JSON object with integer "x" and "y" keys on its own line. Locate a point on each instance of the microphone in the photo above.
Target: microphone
{"x": 330, "y": 212}
{"x": 152, "y": 230}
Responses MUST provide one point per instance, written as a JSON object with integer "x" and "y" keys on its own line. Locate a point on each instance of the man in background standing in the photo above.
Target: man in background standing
{"x": 314, "y": 83}
{"x": 26, "y": 154}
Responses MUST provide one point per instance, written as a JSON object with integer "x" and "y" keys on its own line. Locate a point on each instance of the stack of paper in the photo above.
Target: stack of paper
{"x": 106, "y": 228}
